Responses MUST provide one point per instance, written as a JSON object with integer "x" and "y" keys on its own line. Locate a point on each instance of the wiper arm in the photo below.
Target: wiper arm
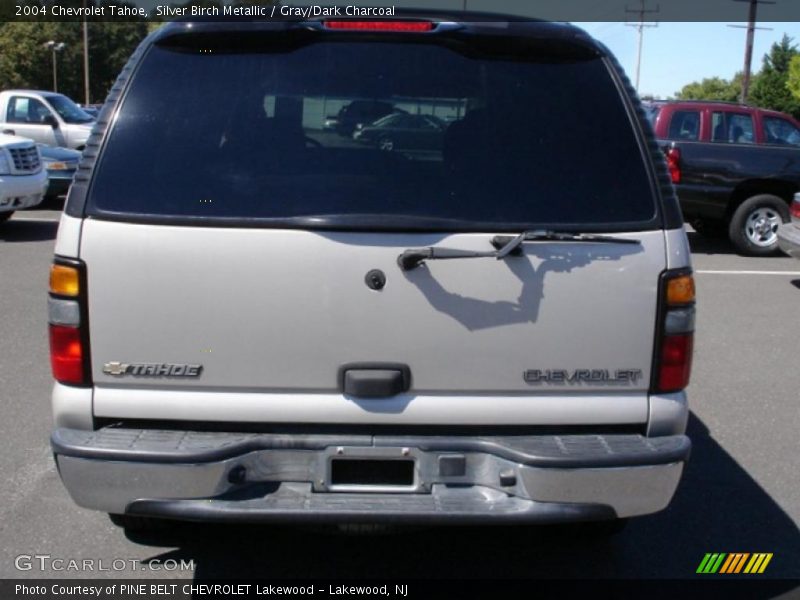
{"x": 413, "y": 257}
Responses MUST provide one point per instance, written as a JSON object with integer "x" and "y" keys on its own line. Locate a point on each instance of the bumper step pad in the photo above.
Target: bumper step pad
{"x": 557, "y": 451}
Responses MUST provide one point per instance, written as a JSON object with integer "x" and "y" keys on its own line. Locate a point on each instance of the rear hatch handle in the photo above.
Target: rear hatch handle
{"x": 505, "y": 245}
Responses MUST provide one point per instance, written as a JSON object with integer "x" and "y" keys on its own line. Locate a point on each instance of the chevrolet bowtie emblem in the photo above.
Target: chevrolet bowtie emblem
{"x": 115, "y": 368}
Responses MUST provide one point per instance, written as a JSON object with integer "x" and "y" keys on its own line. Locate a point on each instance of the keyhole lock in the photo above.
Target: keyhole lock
{"x": 375, "y": 279}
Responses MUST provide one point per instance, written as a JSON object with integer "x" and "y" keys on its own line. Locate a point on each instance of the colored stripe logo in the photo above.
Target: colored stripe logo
{"x": 735, "y": 562}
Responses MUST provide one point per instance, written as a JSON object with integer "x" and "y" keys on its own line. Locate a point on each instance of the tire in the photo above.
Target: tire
{"x": 5, "y": 216}
{"x": 754, "y": 224}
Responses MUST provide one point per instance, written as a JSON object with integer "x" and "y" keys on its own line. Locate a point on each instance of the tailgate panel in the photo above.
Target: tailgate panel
{"x": 282, "y": 310}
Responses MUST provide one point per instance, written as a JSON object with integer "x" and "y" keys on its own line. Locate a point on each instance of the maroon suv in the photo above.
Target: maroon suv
{"x": 735, "y": 168}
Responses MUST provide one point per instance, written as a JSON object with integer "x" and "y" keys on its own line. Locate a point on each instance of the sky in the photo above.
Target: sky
{"x": 674, "y": 54}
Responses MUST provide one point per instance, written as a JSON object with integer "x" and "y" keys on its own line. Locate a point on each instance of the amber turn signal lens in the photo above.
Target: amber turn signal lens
{"x": 680, "y": 290}
{"x": 64, "y": 280}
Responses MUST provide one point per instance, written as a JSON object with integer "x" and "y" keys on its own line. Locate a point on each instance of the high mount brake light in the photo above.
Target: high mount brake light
{"x": 381, "y": 25}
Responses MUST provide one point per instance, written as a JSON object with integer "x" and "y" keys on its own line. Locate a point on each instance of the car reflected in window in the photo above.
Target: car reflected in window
{"x": 403, "y": 132}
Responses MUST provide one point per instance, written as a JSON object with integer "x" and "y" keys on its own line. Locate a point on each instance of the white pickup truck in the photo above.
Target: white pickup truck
{"x": 23, "y": 179}
{"x": 45, "y": 117}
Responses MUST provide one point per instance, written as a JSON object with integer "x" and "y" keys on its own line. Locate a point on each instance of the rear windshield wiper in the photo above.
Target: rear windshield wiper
{"x": 413, "y": 257}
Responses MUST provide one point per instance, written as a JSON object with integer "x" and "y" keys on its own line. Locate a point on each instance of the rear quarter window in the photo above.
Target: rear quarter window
{"x": 684, "y": 125}
{"x": 732, "y": 128}
{"x": 246, "y": 135}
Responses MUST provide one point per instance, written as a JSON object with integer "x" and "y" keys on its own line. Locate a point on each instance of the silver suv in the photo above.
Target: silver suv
{"x": 253, "y": 318}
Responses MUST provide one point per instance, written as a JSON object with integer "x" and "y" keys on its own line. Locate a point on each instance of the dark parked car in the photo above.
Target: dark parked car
{"x": 61, "y": 164}
{"x": 401, "y": 131}
{"x": 357, "y": 113}
{"x": 735, "y": 168}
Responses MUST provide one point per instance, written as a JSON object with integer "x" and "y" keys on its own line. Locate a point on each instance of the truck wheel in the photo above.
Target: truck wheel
{"x": 754, "y": 226}
{"x": 5, "y": 216}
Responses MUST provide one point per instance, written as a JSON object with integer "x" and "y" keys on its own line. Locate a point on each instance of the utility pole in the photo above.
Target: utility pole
{"x": 748, "y": 46}
{"x": 640, "y": 25}
{"x": 85, "y": 56}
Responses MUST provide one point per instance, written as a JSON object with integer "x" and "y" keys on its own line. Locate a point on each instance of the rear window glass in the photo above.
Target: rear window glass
{"x": 388, "y": 135}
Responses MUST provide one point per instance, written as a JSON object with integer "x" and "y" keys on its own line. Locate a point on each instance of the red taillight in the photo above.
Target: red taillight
{"x": 66, "y": 354}
{"x": 674, "y": 164}
{"x": 676, "y": 362}
{"x": 69, "y": 351}
{"x": 795, "y": 207}
{"x": 672, "y": 364}
{"x": 381, "y": 25}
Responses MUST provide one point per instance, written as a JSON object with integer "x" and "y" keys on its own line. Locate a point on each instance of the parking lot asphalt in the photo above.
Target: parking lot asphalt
{"x": 740, "y": 491}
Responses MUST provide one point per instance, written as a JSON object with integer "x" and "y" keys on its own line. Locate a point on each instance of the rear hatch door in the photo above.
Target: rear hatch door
{"x": 247, "y": 240}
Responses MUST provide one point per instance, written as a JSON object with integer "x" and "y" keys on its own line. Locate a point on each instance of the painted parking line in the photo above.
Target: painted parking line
{"x": 707, "y": 272}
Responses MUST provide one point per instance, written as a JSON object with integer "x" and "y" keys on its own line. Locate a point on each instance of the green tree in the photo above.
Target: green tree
{"x": 793, "y": 79}
{"x": 712, "y": 88}
{"x": 771, "y": 89}
{"x": 25, "y": 62}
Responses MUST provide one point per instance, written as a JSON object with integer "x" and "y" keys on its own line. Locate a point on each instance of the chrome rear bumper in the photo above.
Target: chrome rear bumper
{"x": 450, "y": 479}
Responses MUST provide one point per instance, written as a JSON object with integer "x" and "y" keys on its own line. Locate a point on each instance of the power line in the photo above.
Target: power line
{"x": 640, "y": 25}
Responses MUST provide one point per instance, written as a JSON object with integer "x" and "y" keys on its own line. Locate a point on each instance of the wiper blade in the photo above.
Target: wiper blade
{"x": 508, "y": 245}
{"x": 413, "y": 257}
